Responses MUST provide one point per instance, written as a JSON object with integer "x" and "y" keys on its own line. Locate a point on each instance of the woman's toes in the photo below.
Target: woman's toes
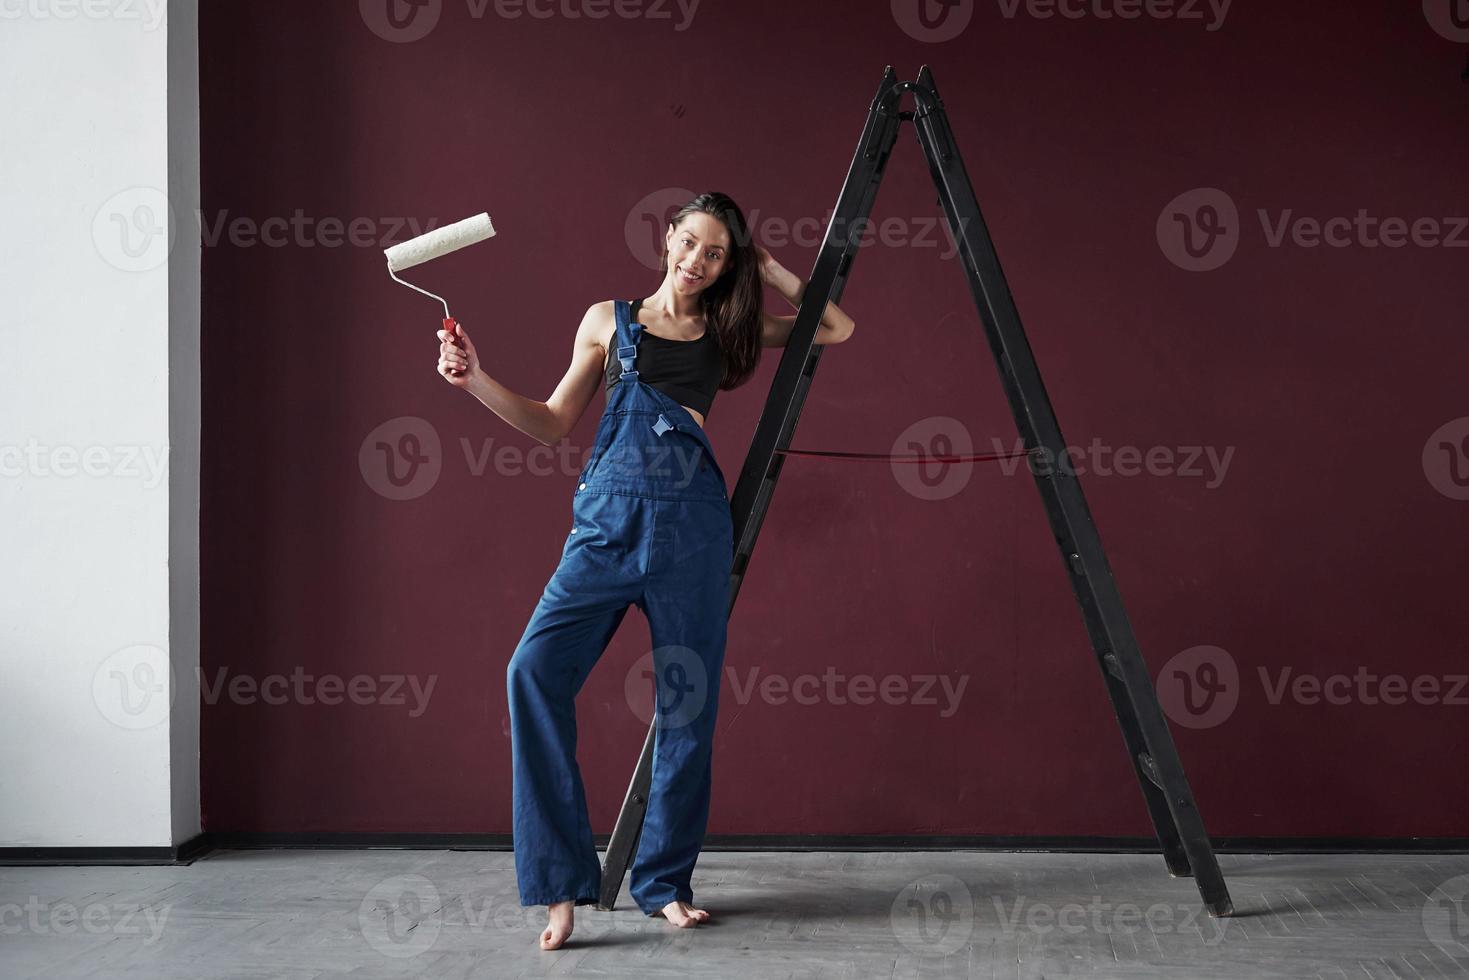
{"x": 684, "y": 915}
{"x": 553, "y": 937}
{"x": 558, "y": 929}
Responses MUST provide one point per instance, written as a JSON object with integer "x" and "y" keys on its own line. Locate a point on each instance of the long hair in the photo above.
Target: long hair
{"x": 733, "y": 303}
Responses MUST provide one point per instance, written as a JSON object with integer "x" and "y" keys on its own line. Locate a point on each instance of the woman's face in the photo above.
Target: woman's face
{"x": 698, "y": 251}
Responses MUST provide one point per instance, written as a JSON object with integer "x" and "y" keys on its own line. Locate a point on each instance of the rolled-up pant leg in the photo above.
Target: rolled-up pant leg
{"x": 580, "y": 609}
{"x": 687, "y": 605}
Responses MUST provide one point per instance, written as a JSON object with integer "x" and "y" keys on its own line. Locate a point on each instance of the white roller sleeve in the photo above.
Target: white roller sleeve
{"x": 440, "y": 241}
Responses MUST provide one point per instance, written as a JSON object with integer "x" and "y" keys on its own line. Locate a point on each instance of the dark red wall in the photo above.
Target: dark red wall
{"x": 1333, "y": 544}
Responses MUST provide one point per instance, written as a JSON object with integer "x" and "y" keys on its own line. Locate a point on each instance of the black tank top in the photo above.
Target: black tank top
{"x": 688, "y": 371}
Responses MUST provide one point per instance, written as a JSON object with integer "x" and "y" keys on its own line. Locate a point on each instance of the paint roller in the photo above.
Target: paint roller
{"x": 432, "y": 245}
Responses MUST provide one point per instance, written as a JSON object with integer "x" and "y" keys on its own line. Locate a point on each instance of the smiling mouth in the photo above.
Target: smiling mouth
{"x": 688, "y": 278}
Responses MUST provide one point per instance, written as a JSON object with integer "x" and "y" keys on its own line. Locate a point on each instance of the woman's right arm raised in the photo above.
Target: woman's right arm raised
{"x": 549, "y": 421}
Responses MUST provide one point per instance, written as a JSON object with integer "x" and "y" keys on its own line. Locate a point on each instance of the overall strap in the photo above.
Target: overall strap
{"x": 626, "y": 339}
{"x": 629, "y": 332}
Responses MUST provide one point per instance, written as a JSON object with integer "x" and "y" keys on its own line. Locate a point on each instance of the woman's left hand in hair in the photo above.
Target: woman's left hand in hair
{"x": 768, "y": 266}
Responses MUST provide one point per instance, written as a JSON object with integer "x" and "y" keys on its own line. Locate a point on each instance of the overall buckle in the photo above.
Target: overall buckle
{"x": 662, "y": 425}
{"x": 627, "y": 355}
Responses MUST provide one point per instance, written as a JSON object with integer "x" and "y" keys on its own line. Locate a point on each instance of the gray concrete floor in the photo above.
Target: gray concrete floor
{"x": 447, "y": 914}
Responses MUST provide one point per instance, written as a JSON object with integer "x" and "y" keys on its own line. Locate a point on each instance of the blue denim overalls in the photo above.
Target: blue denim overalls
{"x": 651, "y": 527}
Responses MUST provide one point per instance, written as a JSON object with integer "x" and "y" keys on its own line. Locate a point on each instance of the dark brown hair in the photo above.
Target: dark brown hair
{"x": 733, "y": 303}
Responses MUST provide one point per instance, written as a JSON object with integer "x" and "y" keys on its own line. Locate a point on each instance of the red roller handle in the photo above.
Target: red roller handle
{"x": 449, "y": 325}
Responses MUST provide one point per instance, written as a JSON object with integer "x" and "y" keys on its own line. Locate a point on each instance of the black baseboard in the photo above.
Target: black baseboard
{"x": 185, "y": 853}
{"x": 201, "y": 845}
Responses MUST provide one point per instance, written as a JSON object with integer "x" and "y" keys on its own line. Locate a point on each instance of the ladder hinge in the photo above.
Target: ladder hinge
{"x": 1150, "y": 769}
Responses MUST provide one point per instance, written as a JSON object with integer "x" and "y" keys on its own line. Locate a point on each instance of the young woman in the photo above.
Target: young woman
{"x": 651, "y": 527}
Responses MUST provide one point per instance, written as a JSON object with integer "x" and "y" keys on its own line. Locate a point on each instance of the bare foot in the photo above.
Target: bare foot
{"x": 558, "y": 929}
{"x": 684, "y": 915}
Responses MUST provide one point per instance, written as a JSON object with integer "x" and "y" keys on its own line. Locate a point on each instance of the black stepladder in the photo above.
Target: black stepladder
{"x": 1170, "y": 802}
